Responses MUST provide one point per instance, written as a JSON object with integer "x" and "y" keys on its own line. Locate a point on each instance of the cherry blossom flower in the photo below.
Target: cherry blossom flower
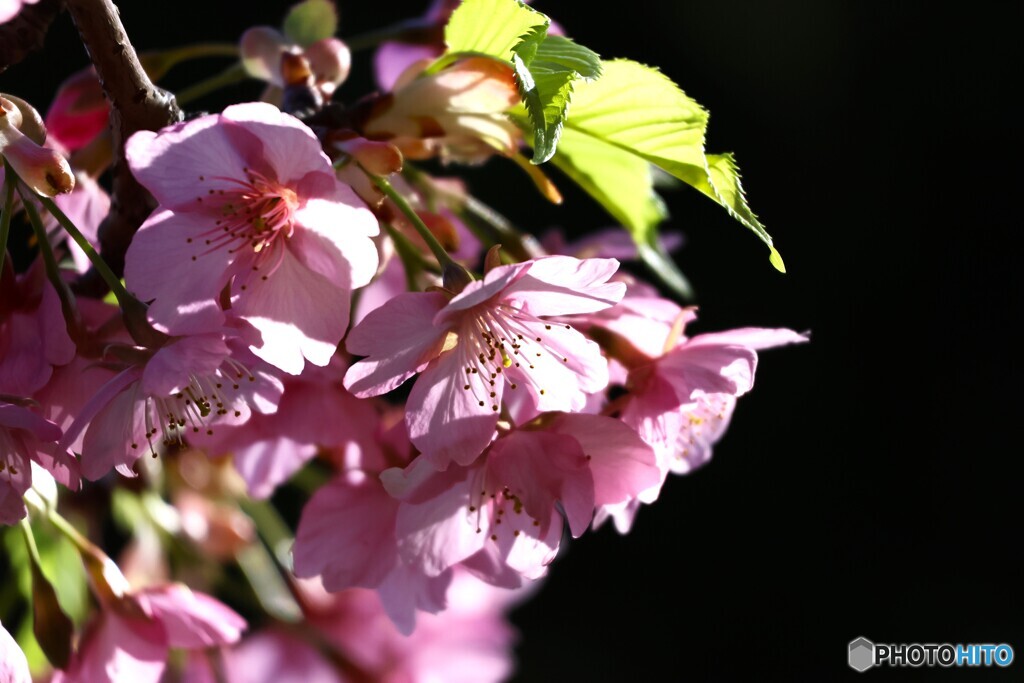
{"x": 249, "y": 202}
{"x": 680, "y": 401}
{"x": 346, "y": 537}
{"x": 491, "y": 336}
{"x": 22, "y": 435}
{"x": 469, "y": 642}
{"x": 33, "y": 335}
{"x": 315, "y": 411}
{"x": 187, "y": 386}
{"x": 508, "y": 507}
{"x": 130, "y": 639}
{"x": 270, "y": 656}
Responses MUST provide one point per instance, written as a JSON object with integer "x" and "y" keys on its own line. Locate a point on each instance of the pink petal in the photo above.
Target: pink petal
{"x": 119, "y": 651}
{"x": 277, "y": 657}
{"x": 394, "y": 58}
{"x": 169, "y": 163}
{"x": 477, "y": 292}
{"x": 703, "y": 364}
{"x": 447, "y": 422}
{"x": 192, "y": 620}
{"x": 16, "y": 477}
{"x": 399, "y": 339}
{"x": 261, "y": 48}
{"x": 13, "y": 665}
{"x": 156, "y": 263}
{"x": 439, "y": 531}
{"x": 532, "y": 550}
{"x": 57, "y": 345}
{"x": 562, "y": 285}
{"x": 347, "y": 535}
{"x": 173, "y": 366}
{"x": 757, "y": 338}
{"x": 621, "y": 463}
{"x": 300, "y": 314}
{"x": 267, "y": 464}
{"x": 290, "y": 150}
{"x": 569, "y": 366}
{"x": 407, "y": 590}
{"x": 704, "y": 424}
{"x": 332, "y": 237}
{"x": 111, "y": 434}
{"x": 540, "y": 468}
{"x": 330, "y": 61}
{"x": 86, "y": 206}
{"x": 79, "y": 112}
{"x": 16, "y": 417}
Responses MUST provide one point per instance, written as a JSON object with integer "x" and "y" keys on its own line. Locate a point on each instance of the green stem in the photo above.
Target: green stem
{"x": 450, "y": 58}
{"x": 231, "y": 75}
{"x": 176, "y": 56}
{"x": 30, "y": 541}
{"x": 120, "y": 293}
{"x": 412, "y": 258}
{"x": 410, "y": 30}
{"x": 443, "y": 259}
{"x": 514, "y": 242}
{"x": 67, "y": 300}
{"x": 10, "y": 180}
{"x": 69, "y": 531}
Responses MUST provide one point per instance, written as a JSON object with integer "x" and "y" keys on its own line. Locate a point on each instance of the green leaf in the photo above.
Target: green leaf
{"x": 622, "y": 183}
{"x": 491, "y": 27}
{"x": 639, "y": 110}
{"x": 546, "y": 67}
{"x": 310, "y": 21}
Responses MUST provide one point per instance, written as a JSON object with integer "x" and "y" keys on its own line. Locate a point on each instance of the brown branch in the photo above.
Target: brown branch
{"x": 27, "y": 31}
{"x": 136, "y": 104}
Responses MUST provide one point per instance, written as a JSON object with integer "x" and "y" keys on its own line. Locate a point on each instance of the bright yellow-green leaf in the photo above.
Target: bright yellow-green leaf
{"x": 310, "y": 21}
{"x": 546, "y": 68}
{"x": 622, "y": 183}
{"x": 491, "y": 27}
{"x": 641, "y": 111}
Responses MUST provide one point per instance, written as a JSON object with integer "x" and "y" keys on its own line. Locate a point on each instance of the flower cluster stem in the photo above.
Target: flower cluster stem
{"x": 72, "y": 319}
{"x": 231, "y": 75}
{"x": 443, "y": 259}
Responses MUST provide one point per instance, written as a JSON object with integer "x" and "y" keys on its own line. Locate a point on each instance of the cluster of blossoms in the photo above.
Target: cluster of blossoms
{"x": 281, "y": 318}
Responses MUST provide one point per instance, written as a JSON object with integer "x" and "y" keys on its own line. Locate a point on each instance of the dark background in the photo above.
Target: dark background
{"x": 870, "y": 485}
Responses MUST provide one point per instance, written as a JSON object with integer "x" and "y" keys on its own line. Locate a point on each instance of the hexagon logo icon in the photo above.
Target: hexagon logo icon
{"x": 862, "y": 654}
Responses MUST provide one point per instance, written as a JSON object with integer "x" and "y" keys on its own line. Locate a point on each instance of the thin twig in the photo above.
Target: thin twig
{"x": 136, "y": 104}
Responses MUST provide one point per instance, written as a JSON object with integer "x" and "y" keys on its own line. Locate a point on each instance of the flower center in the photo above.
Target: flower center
{"x": 196, "y": 407}
{"x": 503, "y": 340}
{"x": 251, "y": 216}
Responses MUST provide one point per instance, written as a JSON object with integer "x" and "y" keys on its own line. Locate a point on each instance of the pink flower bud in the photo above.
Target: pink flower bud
{"x": 43, "y": 169}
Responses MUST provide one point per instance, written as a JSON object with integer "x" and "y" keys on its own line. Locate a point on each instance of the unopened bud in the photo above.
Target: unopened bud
{"x": 378, "y": 158}
{"x": 330, "y": 61}
{"x": 31, "y": 123}
{"x": 43, "y": 169}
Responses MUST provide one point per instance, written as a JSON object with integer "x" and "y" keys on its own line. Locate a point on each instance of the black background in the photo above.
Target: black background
{"x": 870, "y": 485}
